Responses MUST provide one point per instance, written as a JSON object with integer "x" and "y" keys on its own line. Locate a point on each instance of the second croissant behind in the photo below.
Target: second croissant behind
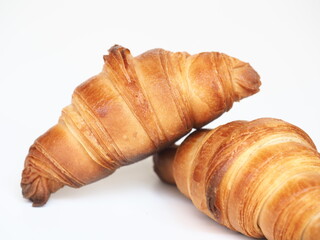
{"x": 260, "y": 178}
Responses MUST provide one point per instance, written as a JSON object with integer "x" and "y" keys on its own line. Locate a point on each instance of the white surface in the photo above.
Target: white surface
{"x": 47, "y": 48}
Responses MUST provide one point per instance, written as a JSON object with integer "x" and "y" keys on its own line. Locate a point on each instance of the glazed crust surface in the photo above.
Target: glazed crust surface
{"x": 134, "y": 107}
{"x": 260, "y": 178}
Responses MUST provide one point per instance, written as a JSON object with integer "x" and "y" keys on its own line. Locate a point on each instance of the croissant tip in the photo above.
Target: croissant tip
{"x": 37, "y": 197}
{"x": 247, "y": 81}
{"x": 37, "y": 188}
{"x": 115, "y": 48}
{"x": 164, "y": 169}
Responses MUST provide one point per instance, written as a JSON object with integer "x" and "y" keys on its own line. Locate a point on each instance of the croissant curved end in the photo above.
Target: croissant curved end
{"x": 246, "y": 79}
{"x": 36, "y": 187}
{"x": 164, "y": 170}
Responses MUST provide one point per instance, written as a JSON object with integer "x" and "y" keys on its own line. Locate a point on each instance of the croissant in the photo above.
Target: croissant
{"x": 134, "y": 107}
{"x": 260, "y": 178}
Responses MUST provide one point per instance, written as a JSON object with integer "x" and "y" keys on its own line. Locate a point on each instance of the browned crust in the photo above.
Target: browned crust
{"x": 261, "y": 178}
{"x": 134, "y": 107}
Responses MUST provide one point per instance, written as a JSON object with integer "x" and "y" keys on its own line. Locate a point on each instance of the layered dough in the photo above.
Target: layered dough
{"x": 133, "y": 108}
{"x": 260, "y": 178}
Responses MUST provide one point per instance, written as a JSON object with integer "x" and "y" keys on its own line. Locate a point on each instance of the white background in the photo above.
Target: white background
{"x": 47, "y": 48}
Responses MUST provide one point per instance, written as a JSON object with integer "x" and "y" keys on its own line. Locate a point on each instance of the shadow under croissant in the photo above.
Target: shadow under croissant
{"x": 177, "y": 204}
{"x": 136, "y": 175}
{"x": 186, "y": 215}
{"x": 122, "y": 180}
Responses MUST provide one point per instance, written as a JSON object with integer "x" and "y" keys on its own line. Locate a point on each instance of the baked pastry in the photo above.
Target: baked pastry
{"x": 134, "y": 107}
{"x": 260, "y": 178}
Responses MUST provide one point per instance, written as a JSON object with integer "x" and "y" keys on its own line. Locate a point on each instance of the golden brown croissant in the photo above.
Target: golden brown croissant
{"x": 260, "y": 178}
{"x": 134, "y": 107}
